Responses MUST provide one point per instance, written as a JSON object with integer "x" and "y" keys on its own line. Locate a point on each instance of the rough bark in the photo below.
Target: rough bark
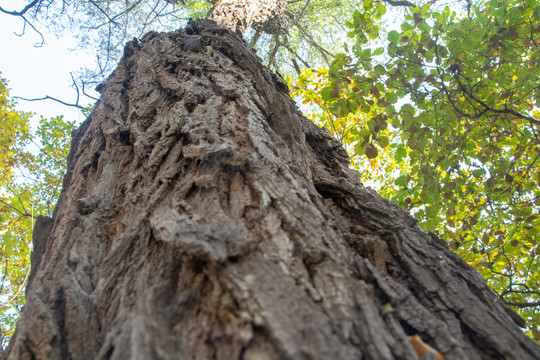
{"x": 240, "y": 15}
{"x": 40, "y": 234}
{"x": 203, "y": 217}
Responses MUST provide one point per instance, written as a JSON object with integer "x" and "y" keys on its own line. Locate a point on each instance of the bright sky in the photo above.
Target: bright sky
{"x": 34, "y": 72}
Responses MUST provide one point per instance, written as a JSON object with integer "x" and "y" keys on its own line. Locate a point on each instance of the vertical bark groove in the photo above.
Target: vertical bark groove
{"x": 203, "y": 217}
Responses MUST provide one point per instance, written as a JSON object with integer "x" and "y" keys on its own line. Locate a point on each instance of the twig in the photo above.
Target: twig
{"x": 488, "y": 108}
{"x": 19, "y": 290}
{"x": 22, "y": 12}
{"x": 322, "y": 50}
{"x": 522, "y": 305}
{"x": 4, "y": 277}
{"x": 20, "y": 202}
{"x": 399, "y": 3}
{"x": 50, "y": 98}
{"x": 47, "y": 97}
{"x": 33, "y": 27}
{"x": 85, "y": 94}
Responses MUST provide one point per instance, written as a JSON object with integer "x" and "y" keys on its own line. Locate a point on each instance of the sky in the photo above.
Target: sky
{"x": 34, "y": 72}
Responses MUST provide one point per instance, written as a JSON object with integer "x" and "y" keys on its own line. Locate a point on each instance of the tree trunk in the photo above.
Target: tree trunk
{"x": 240, "y": 15}
{"x": 203, "y": 217}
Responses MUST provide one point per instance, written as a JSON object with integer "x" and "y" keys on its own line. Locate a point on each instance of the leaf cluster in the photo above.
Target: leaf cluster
{"x": 442, "y": 112}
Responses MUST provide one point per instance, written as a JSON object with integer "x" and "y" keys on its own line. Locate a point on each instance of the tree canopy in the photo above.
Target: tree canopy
{"x": 442, "y": 115}
{"x": 438, "y": 107}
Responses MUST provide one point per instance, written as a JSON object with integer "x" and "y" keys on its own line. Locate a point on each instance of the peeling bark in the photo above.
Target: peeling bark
{"x": 203, "y": 217}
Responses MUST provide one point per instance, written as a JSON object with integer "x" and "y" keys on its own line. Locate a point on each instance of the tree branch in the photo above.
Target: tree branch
{"x": 322, "y": 51}
{"x": 23, "y": 11}
{"x": 47, "y": 97}
{"x": 87, "y": 95}
{"x": 109, "y": 19}
{"x": 33, "y": 27}
{"x": 522, "y": 305}
{"x": 399, "y": 3}
{"x": 488, "y": 108}
{"x": 4, "y": 277}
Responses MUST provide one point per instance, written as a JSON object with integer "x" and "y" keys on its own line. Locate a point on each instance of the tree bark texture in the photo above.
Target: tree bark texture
{"x": 240, "y": 15}
{"x": 203, "y": 217}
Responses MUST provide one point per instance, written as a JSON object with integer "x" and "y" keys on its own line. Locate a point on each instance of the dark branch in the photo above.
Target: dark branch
{"x": 76, "y": 88}
{"x": 50, "y": 98}
{"x": 322, "y": 51}
{"x": 128, "y": 10}
{"x": 522, "y": 305}
{"x": 86, "y": 94}
{"x": 488, "y": 108}
{"x": 399, "y": 3}
{"x": 4, "y": 277}
{"x": 47, "y": 97}
{"x": 33, "y": 27}
{"x": 23, "y": 11}
{"x": 109, "y": 19}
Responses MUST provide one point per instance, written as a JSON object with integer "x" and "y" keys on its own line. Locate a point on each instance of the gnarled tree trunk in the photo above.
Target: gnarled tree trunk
{"x": 203, "y": 217}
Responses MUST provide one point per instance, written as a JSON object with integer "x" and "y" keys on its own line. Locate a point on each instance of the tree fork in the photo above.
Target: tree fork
{"x": 202, "y": 216}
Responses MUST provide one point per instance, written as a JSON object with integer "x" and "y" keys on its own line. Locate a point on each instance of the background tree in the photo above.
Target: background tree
{"x": 295, "y": 37}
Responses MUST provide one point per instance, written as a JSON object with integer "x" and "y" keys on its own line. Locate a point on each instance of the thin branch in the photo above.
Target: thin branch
{"x": 4, "y": 277}
{"x": 146, "y": 22}
{"x": 522, "y": 305}
{"x": 110, "y": 20}
{"x": 22, "y": 286}
{"x": 322, "y": 51}
{"x": 128, "y": 10}
{"x": 20, "y": 202}
{"x": 86, "y": 94}
{"x": 295, "y": 66}
{"x": 295, "y": 54}
{"x": 522, "y": 180}
{"x": 50, "y": 98}
{"x": 76, "y": 88}
{"x": 22, "y": 12}
{"x": 47, "y": 97}
{"x": 40, "y": 44}
{"x": 14, "y": 208}
{"x": 255, "y": 38}
{"x": 533, "y": 39}
{"x": 302, "y": 12}
{"x": 273, "y": 51}
{"x": 399, "y": 3}
{"x": 488, "y": 108}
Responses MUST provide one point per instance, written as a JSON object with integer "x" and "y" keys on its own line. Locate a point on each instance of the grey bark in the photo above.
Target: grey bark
{"x": 40, "y": 234}
{"x": 240, "y": 15}
{"x": 203, "y": 217}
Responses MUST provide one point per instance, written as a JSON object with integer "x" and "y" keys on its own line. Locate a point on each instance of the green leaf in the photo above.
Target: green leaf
{"x": 401, "y": 153}
{"x": 401, "y": 181}
{"x": 383, "y": 141}
{"x": 393, "y": 36}
{"x": 326, "y": 93}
